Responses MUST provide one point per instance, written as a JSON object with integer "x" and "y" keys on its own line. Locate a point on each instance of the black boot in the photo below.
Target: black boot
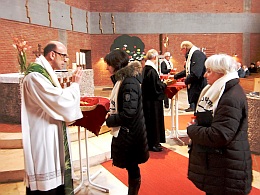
{"x": 134, "y": 186}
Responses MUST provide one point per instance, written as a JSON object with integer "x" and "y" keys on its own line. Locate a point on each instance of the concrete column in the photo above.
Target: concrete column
{"x": 247, "y": 5}
{"x": 246, "y": 49}
{"x": 62, "y": 36}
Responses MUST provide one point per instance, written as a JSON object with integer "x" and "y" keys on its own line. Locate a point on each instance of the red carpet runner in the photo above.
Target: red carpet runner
{"x": 165, "y": 173}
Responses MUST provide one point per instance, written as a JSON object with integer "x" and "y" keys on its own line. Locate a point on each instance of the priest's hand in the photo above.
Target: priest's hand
{"x": 77, "y": 75}
{"x": 108, "y": 114}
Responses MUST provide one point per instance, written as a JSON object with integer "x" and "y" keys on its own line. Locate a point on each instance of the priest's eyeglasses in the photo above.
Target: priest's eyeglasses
{"x": 64, "y": 56}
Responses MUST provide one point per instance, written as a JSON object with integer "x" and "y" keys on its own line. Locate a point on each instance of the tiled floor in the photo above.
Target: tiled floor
{"x": 99, "y": 151}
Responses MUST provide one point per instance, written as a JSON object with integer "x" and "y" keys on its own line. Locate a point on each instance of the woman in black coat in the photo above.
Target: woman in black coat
{"x": 219, "y": 158}
{"x": 129, "y": 143}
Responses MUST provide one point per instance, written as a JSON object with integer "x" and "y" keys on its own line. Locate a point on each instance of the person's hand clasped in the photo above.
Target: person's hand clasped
{"x": 77, "y": 75}
{"x": 168, "y": 81}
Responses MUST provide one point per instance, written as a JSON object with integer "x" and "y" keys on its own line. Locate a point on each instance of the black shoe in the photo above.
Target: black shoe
{"x": 159, "y": 146}
{"x": 189, "y": 110}
{"x": 156, "y": 149}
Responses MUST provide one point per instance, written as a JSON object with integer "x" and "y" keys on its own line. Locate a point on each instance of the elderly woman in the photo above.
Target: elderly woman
{"x": 153, "y": 95}
{"x": 219, "y": 158}
{"x": 126, "y": 119}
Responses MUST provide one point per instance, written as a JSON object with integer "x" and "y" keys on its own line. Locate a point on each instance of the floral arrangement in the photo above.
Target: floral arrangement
{"x": 21, "y": 46}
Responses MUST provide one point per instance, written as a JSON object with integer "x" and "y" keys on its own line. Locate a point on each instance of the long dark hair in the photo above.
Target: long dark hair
{"x": 117, "y": 59}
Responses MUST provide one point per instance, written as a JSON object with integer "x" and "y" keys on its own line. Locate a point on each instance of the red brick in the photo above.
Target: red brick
{"x": 100, "y": 44}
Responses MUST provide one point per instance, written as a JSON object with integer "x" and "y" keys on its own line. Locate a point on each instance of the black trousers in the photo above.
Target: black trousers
{"x": 166, "y": 101}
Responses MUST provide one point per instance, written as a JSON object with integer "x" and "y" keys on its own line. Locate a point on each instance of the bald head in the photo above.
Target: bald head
{"x": 56, "y": 54}
{"x": 54, "y": 46}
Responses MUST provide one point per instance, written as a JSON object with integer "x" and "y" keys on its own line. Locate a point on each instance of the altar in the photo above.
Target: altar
{"x": 11, "y": 88}
{"x": 254, "y": 123}
{"x": 172, "y": 93}
{"x": 94, "y": 115}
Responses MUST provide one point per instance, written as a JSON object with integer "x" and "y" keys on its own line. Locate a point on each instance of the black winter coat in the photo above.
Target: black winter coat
{"x": 130, "y": 147}
{"x": 220, "y": 159}
{"x": 153, "y": 95}
{"x": 196, "y": 78}
{"x": 152, "y": 87}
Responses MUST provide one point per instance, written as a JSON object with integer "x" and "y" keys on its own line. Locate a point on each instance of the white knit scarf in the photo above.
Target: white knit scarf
{"x": 45, "y": 64}
{"x": 194, "y": 48}
{"x": 211, "y": 94}
{"x": 168, "y": 64}
{"x": 150, "y": 63}
{"x": 187, "y": 66}
{"x": 113, "y": 106}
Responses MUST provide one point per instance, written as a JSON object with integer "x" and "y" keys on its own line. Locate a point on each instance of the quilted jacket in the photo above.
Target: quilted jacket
{"x": 220, "y": 158}
{"x": 130, "y": 147}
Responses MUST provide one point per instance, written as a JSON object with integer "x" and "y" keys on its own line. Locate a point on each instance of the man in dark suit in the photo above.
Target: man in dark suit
{"x": 258, "y": 66}
{"x": 194, "y": 72}
{"x": 166, "y": 67}
{"x": 240, "y": 71}
{"x": 246, "y": 70}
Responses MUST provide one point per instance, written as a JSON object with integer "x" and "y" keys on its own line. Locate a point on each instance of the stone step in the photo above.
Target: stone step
{"x": 14, "y": 140}
{"x": 12, "y": 166}
{"x": 11, "y": 140}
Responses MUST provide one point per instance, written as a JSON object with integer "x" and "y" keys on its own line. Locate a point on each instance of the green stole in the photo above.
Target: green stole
{"x": 68, "y": 182}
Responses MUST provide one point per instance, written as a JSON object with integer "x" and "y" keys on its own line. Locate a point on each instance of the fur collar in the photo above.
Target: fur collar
{"x": 133, "y": 69}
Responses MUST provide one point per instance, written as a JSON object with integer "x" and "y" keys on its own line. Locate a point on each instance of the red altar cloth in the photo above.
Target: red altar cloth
{"x": 172, "y": 89}
{"x": 164, "y": 76}
{"x": 92, "y": 120}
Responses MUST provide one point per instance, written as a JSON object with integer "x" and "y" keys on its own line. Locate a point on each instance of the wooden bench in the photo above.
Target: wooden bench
{"x": 251, "y": 83}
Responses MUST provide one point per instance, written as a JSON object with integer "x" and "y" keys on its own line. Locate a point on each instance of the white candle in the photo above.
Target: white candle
{"x": 77, "y": 58}
{"x": 81, "y": 58}
{"x": 84, "y": 59}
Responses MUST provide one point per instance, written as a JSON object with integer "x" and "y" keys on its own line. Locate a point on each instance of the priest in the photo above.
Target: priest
{"x": 46, "y": 109}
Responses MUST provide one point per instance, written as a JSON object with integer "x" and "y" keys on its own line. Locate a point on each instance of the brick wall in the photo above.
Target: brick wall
{"x": 81, "y": 4}
{"x": 75, "y": 42}
{"x": 99, "y": 44}
{"x": 255, "y": 4}
{"x": 35, "y": 35}
{"x": 210, "y": 6}
{"x": 214, "y": 43}
{"x": 254, "y": 47}
{"x": 32, "y": 33}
